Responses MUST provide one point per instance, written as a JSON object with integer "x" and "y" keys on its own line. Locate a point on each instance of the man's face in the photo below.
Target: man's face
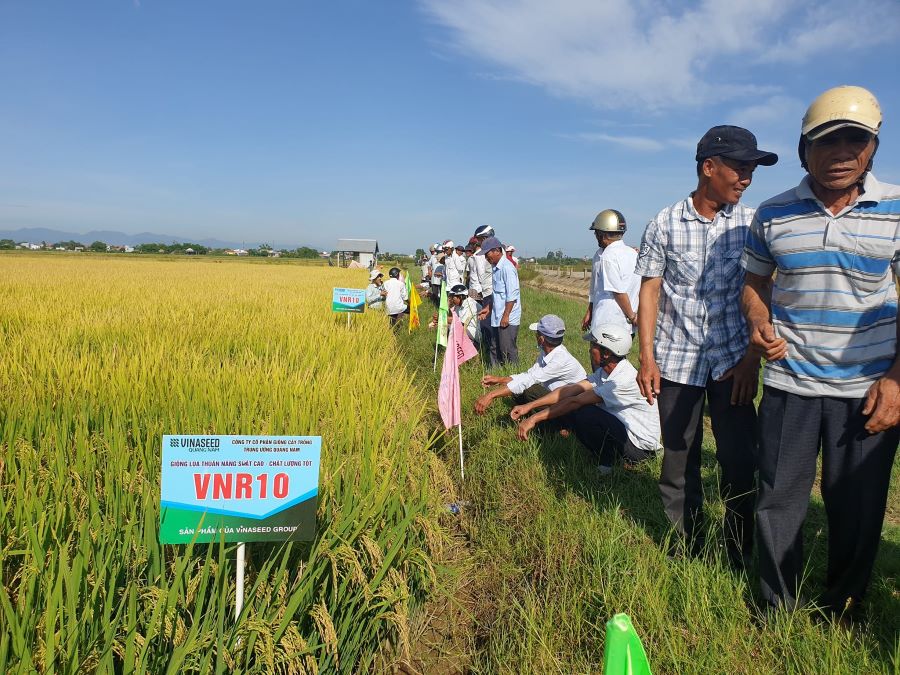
{"x": 493, "y": 256}
{"x": 728, "y": 178}
{"x": 839, "y": 159}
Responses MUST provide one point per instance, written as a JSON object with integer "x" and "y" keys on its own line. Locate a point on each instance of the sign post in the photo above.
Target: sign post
{"x": 239, "y": 489}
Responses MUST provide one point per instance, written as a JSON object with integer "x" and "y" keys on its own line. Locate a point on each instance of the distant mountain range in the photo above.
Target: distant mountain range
{"x": 36, "y": 235}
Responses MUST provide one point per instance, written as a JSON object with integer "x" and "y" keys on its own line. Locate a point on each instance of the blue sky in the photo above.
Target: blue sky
{"x": 301, "y": 122}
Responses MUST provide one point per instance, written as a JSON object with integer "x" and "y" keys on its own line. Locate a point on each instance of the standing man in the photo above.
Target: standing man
{"x": 483, "y": 270}
{"x": 451, "y": 265}
{"x": 397, "y": 295}
{"x": 690, "y": 300}
{"x": 828, "y": 329}
{"x": 437, "y": 274}
{"x": 614, "y": 285}
{"x": 505, "y": 310}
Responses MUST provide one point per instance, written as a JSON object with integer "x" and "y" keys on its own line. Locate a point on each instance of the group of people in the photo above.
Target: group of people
{"x": 481, "y": 280}
{"x": 804, "y": 283}
{"x": 390, "y": 295}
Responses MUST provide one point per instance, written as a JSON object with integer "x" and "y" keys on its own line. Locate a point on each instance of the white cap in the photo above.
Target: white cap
{"x": 374, "y": 274}
{"x": 449, "y": 244}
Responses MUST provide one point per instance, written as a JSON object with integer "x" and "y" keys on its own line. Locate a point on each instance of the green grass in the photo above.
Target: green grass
{"x": 556, "y": 550}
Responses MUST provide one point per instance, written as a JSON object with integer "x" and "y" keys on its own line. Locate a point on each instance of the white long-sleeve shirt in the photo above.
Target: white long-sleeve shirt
{"x": 553, "y": 370}
{"x": 395, "y": 302}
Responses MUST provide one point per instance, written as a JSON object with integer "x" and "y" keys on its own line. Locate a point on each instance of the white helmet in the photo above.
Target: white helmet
{"x": 614, "y": 337}
{"x": 845, "y": 106}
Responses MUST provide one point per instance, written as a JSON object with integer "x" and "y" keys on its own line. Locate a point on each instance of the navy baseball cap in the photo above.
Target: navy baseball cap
{"x": 733, "y": 143}
{"x": 550, "y": 325}
{"x": 490, "y": 243}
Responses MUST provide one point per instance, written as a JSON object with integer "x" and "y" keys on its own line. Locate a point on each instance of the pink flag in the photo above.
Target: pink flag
{"x": 459, "y": 350}
{"x": 462, "y": 345}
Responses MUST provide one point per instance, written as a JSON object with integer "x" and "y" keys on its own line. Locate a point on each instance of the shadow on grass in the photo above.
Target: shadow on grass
{"x": 634, "y": 493}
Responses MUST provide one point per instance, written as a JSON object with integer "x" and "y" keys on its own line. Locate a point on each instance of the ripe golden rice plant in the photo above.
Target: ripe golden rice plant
{"x": 101, "y": 357}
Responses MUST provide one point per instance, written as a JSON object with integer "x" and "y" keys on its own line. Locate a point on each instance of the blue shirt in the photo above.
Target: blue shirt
{"x": 505, "y": 281}
{"x": 700, "y": 330}
{"x": 833, "y": 300}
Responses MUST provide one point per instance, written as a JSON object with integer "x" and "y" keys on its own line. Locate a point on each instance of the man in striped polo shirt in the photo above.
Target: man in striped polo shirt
{"x": 693, "y": 339}
{"x": 827, "y": 324}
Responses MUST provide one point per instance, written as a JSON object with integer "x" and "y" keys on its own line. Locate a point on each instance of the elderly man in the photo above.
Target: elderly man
{"x": 828, "y": 329}
{"x": 614, "y": 285}
{"x": 690, "y": 301}
{"x": 505, "y": 309}
{"x": 611, "y": 416}
{"x": 555, "y": 367}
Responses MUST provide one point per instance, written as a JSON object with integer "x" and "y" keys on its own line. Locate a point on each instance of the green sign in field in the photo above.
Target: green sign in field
{"x": 240, "y": 488}
{"x": 348, "y": 300}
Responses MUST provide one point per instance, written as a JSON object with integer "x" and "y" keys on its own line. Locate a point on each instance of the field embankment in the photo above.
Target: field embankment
{"x": 101, "y": 357}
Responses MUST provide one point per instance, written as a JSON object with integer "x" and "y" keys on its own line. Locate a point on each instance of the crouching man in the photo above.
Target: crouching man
{"x": 610, "y": 415}
{"x": 555, "y": 367}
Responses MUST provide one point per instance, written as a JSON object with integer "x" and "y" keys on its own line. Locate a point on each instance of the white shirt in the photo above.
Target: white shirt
{"x": 622, "y": 398}
{"x": 553, "y": 370}
{"x": 485, "y": 271}
{"x": 452, "y": 265}
{"x": 395, "y": 302}
{"x": 468, "y": 315}
{"x": 432, "y": 263}
{"x": 437, "y": 273}
{"x": 616, "y": 275}
{"x": 474, "y": 276}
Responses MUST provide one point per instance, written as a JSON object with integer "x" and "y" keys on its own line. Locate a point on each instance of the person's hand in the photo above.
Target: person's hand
{"x": 586, "y": 321}
{"x": 648, "y": 379}
{"x": 524, "y": 427}
{"x": 765, "y": 344}
{"x": 504, "y": 322}
{"x": 482, "y": 403}
{"x": 483, "y": 314}
{"x": 488, "y": 380}
{"x": 883, "y": 403}
{"x": 518, "y": 412}
{"x": 746, "y": 379}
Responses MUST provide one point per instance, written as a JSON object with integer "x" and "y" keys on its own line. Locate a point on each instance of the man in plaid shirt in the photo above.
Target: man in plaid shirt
{"x": 693, "y": 339}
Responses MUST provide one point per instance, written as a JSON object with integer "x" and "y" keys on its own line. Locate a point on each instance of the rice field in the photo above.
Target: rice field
{"x": 103, "y": 356}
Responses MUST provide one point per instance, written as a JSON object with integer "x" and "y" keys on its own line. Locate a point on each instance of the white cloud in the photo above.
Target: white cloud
{"x": 624, "y": 53}
{"x": 838, "y": 26}
{"x": 775, "y": 109}
{"x": 640, "y": 143}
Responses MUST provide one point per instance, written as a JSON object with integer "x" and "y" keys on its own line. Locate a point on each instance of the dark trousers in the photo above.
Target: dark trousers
{"x": 605, "y": 435}
{"x": 488, "y": 336}
{"x": 504, "y": 346}
{"x": 734, "y": 429}
{"x": 856, "y": 474}
{"x": 533, "y": 393}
